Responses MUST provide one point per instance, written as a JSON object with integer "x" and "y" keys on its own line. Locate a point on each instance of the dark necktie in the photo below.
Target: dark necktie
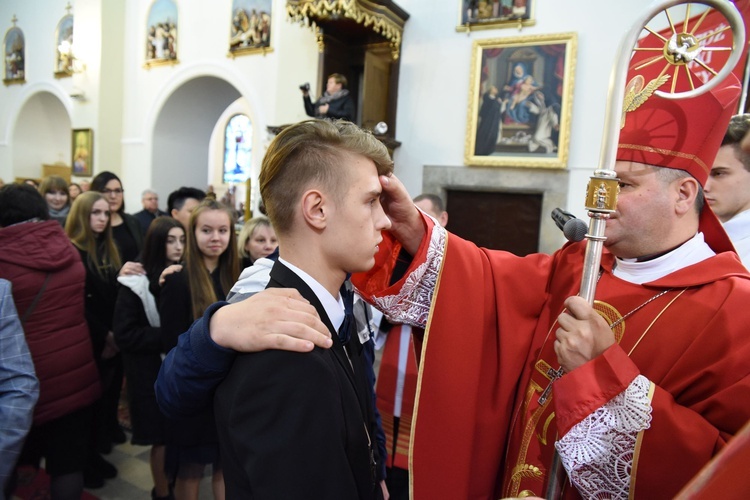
{"x": 347, "y": 326}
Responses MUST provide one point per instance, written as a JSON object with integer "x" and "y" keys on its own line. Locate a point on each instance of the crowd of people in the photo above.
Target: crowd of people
{"x": 253, "y": 353}
{"x": 97, "y": 307}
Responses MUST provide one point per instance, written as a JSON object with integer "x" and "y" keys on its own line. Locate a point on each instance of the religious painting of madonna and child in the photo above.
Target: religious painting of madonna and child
{"x": 492, "y": 14}
{"x": 520, "y": 101}
{"x": 161, "y": 34}
{"x": 250, "y": 31}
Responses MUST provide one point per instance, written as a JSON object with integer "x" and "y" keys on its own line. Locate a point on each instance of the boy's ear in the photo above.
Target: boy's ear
{"x": 314, "y": 208}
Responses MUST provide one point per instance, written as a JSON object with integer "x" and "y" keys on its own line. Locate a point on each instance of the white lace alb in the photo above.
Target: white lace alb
{"x": 598, "y": 452}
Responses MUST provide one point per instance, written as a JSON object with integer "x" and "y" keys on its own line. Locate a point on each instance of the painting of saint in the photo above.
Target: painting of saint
{"x": 161, "y": 33}
{"x": 250, "y": 30}
{"x": 64, "y": 47}
{"x": 520, "y": 101}
{"x": 15, "y": 56}
{"x": 83, "y": 146}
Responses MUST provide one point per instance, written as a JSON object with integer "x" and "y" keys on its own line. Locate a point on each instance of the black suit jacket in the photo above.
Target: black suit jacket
{"x": 292, "y": 425}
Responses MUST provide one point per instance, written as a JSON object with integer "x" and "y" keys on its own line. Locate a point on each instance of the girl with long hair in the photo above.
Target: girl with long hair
{"x": 138, "y": 335}
{"x": 90, "y": 231}
{"x": 209, "y": 271}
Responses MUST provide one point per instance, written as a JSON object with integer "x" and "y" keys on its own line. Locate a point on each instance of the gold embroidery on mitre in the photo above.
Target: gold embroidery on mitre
{"x": 667, "y": 152}
{"x": 636, "y": 93}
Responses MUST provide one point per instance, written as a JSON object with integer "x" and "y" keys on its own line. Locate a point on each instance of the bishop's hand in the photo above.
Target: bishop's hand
{"x": 582, "y": 334}
{"x": 406, "y": 221}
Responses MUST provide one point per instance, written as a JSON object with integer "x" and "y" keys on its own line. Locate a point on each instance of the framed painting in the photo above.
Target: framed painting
{"x": 64, "y": 47}
{"x": 14, "y": 45}
{"x": 161, "y": 34}
{"x": 83, "y": 152}
{"x": 250, "y": 30}
{"x": 492, "y": 14}
{"x": 520, "y": 101}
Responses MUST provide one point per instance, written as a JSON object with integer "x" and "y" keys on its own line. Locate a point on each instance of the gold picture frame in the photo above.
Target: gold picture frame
{"x": 250, "y": 28}
{"x": 493, "y": 14}
{"x": 161, "y": 34}
{"x": 14, "y": 45}
{"x": 520, "y": 101}
{"x": 82, "y": 152}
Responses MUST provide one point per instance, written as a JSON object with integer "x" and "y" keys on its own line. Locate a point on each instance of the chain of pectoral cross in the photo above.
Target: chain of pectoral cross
{"x": 556, "y": 374}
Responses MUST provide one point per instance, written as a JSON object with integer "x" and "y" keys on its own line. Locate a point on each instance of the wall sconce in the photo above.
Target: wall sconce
{"x": 67, "y": 62}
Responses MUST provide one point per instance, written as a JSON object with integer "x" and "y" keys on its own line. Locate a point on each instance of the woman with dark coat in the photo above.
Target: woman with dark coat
{"x": 137, "y": 333}
{"x": 89, "y": 230}
{"x": 211, "y": 268}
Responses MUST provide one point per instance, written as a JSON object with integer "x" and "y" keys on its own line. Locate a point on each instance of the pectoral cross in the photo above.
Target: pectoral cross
{"x": 553, "y": 375}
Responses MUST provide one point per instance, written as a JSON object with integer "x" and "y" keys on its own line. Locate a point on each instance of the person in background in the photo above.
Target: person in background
{"x": 137, "y": 334}
{"x": 125, "y": 228}
{"x": 73, "y": 191}
{"x": 728, "y": 186}
{"x": 85, "y": 186}
{"x": 335, "y": 101}
{"x": 19, "y": 387}
{"x": 31, "y": 182}
{"x": 150, "y": 202}
{"x": 211, "y": 267}
{"x": 182, "y": 202}
{"x": 48, "y": 289}
{"x": 257, "y": 239}
{"x": 89, "y": 228}
{"x": 55, "y": 192}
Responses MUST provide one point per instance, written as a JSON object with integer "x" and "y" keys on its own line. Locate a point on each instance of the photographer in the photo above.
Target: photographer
{"x": 335, "y": 101}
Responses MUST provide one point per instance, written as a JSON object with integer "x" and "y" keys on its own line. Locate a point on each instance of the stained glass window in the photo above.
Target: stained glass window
{"x": 238, "y": 148}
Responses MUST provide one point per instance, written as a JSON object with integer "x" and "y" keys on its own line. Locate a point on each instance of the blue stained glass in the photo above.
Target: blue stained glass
{"x": 238, "y": 147}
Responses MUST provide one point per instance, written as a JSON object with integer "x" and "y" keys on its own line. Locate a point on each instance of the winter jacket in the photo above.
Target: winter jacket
{"x": 56, "y": 331}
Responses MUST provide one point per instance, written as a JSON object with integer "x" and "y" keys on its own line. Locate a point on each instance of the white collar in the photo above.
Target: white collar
{"x": 738, "y": 227}
{"x": 691, "y": 252}
{"x": 333, "y": 306}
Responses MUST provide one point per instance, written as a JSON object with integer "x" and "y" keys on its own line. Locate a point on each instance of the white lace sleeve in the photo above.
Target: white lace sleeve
{"x": 411, "y": 305}
{"x": 598, "y": 452}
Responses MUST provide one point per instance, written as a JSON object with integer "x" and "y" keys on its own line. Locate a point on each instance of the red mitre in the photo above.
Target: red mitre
{"x": 684, "y": 134}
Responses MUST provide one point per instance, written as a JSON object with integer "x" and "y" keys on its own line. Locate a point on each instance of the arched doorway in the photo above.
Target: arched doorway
{"x": 182, "y": 132}
{"x": 41, "y": 135}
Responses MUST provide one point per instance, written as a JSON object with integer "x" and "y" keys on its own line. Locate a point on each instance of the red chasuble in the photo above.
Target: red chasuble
{"x": 479, "y": 429}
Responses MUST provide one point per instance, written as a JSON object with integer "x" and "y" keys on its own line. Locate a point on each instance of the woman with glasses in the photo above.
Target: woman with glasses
{"x": 128, "y": 237}
{"x": 125, "y": 227}
{"x": 54, "y": 189}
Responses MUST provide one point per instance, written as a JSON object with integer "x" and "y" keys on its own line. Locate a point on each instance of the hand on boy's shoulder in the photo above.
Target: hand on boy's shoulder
{"x": 276, "y": 318}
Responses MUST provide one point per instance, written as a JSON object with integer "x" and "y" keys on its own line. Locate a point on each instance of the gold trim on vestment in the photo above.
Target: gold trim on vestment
{"x": 667, "y": 152}
{"x": 639, "y": 441}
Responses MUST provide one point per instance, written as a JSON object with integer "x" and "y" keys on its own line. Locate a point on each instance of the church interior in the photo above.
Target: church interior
{"x": 158, "y": 118}
{"x": 151, "y": 90}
